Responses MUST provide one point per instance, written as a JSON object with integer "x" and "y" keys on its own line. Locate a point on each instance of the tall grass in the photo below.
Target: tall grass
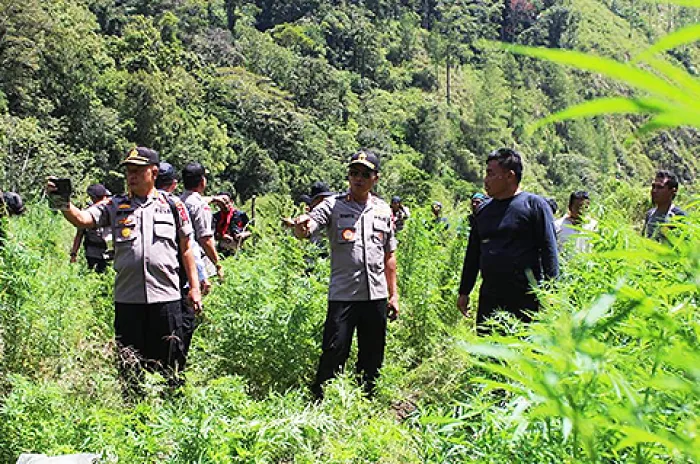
{"x": 608, "y": 373}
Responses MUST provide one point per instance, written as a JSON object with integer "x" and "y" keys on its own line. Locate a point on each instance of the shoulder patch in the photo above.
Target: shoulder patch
{"x": 183, "y": 212}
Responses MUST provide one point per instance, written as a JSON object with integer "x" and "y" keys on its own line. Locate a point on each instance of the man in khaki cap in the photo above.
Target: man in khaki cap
{"x": 149, "y": 228}
{"x": 363, "y": 290}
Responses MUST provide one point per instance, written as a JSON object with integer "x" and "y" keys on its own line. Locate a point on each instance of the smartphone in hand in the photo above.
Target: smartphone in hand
{"x": 59, "y": 199}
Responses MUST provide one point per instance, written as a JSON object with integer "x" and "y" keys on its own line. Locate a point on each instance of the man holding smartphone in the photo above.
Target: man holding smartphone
{"x": 147, "y": 225}
{"x": 363, "y": 290}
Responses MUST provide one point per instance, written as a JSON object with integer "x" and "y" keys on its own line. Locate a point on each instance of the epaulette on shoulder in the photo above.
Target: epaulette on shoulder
{"x": 120, "y": 198}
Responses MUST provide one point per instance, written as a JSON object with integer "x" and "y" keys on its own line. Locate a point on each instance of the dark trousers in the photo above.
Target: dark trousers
{"x": 189, "y": 325}
{"x": 517, "y": 300}
{"x": 149, "y": 336}
{"x": 343, "y": 317}
{"x": 98, "y": 265}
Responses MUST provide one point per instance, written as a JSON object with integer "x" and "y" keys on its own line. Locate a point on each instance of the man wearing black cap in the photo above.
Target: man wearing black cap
{"x": 96, "y": 239}
{"x": 319, "y": 191}
{"x": 363, "y": 290}
{"x": 147, "y": 226}
{"x": 167, "y": 177}
{"x": 195, "y": 180}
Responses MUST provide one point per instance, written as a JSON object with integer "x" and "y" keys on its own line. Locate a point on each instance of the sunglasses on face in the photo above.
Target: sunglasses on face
{"x": 356, "y": 173}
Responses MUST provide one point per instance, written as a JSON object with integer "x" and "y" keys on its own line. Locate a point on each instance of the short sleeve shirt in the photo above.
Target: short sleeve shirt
{"x": 145, "y": 235}
{"x": 360, "y": 236}
{"x": 200, "y": 214}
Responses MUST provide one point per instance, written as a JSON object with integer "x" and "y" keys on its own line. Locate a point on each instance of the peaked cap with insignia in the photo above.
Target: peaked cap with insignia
{"x": 141, "y": 156}
{"x": 365, "y": 158}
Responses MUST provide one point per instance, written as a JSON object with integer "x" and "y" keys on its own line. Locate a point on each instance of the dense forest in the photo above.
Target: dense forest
{"x": 272, "y": 96}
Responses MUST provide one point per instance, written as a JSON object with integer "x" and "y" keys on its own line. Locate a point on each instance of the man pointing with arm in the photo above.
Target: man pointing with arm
{"x": 363, "y": 288}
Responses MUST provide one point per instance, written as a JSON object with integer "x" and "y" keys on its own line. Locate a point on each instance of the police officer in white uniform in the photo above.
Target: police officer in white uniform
{"x": 148, "y": 226}
{"x": 363, "y": 289}
{"x": 195, "y": 181}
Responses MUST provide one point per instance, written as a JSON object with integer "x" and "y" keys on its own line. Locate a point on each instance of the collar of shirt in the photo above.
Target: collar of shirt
{"x": 147, "y": 199}
{"x": 371, "y": 200}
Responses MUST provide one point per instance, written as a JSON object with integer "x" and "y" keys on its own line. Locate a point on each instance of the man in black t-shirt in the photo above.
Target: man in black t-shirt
{"x": 512, "y": 243}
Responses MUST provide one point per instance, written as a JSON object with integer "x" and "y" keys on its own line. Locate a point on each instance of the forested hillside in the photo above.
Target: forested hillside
{"x": 273, "y": 95}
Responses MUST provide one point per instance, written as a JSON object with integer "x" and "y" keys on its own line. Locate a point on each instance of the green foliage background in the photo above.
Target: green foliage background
{"x": 272, "y": 96}
{"x": 608, "y": 373}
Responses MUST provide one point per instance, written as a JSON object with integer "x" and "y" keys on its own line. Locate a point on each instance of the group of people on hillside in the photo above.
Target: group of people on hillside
{"x": 514, "y": 243}
{"x": 229, "y": 224}
{"x": 160, "y": 242}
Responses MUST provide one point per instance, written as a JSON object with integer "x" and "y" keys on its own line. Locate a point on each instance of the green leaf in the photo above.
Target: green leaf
{"x": 686, "y": 35}
{"x": 599, "y": 107}
{"x": 599, "y": 309}
{"x": 669, "y": 120}
{"x": 668, "y": 383}
{"x": 495, "y": 385}
{"x": 631, "y": 75}
{"x": 678, "y": 76}
{"x": 492, "y": 351}
{"x": 690, "y": 3}
{"x": 636, "y": 435}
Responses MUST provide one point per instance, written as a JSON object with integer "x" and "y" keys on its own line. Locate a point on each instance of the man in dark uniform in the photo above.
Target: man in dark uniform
{"x": 512, "y": 242}
{"x": 363, "y": 290}
{"x": 97, "y": 240}
{"x": 663, "y": 191}
{"x": 148, "y": 225}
